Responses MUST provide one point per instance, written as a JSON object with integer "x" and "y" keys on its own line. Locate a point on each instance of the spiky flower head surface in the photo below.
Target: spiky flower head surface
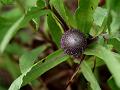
{"x": 73, "y": 42}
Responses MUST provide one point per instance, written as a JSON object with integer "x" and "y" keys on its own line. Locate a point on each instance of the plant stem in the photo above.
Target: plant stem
{"x": 77, "y": 70}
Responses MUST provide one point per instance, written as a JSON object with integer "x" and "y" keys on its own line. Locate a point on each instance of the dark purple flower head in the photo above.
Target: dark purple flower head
{"x": 73, "y": 42}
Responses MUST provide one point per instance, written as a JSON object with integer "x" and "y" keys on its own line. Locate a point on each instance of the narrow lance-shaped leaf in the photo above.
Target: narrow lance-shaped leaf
{"x": 12, "y": 67}
{"x": 18, "y": 82}
{"x": 114, "y": 15}
{"x": 21, "y": 22}
{"x": 37, "y": 13}
{"x": 84, "y": 14}
{"x": 87, "y": 72}
{"x": 55, "y": 30}
{"x": 6, "y": 1}
{"x": 99, "y": 15}
{"x": 48, "y": 63}
{"x": 109, "y": 58}
{"x": 59, "y": 5}
{"x": 12, "y": 30}
{"x": 39, "y": 68}
{"x": 28, "y": 59}
{"x": 71, "y": 18}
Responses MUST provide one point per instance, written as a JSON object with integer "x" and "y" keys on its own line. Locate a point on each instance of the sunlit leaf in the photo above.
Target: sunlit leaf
{"x": 39, "y": 68}
{"x": 28, "y": 58}
{"x": 12, "y": 30}
{"x": 87, "y": 72}
{"x": 84, "y": 14}
{"x": 109, "y": 58}
{"x": 37, "y": 13}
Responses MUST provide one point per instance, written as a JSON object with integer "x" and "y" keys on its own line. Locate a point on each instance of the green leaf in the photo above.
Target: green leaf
{"x": 112, "y": 84}
{"x": 28, "y": 3}
{"x": 7, "y": 19}
{"x": 84, "y": 14}
{"x": 4, "y": 26}
{"x": 8, "y": 32}
{"x": 114, "y": 10}
{"x": 99, "y": 62}
{"x": 109, "y": 58}
{"x": 13, "y": 14}
{"x": 71, "y": 18}
{"x": 113, "y": 5}
{"x": 24, "y": 37}
{"x": 13, "y": 48}
{"x": 33, "y": 13}
{"x": 48, "y": 63}
{"x": 115, "y": 42}
{"x": 100, "y": 21}
{"x": 99, "y": 15}
{"x": 3, "y": 88}
{"x": 87, "y": 72}
{"x": 55, "y": 30}
{"x": 12, "y": 30}
{"x": 115, "y": 25}
{"x": 96, "y": 30}
{"x": 11, "y": 66}
{"x": 6, "y": 1}
{"x": 18, "y": 82}
{"x": 59, "y": 5}
{"x": 40, "y": 3}
{"x": 39, "y": 68}
{"x": 90, "y": 61}
{"x": 28, "y": 58}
